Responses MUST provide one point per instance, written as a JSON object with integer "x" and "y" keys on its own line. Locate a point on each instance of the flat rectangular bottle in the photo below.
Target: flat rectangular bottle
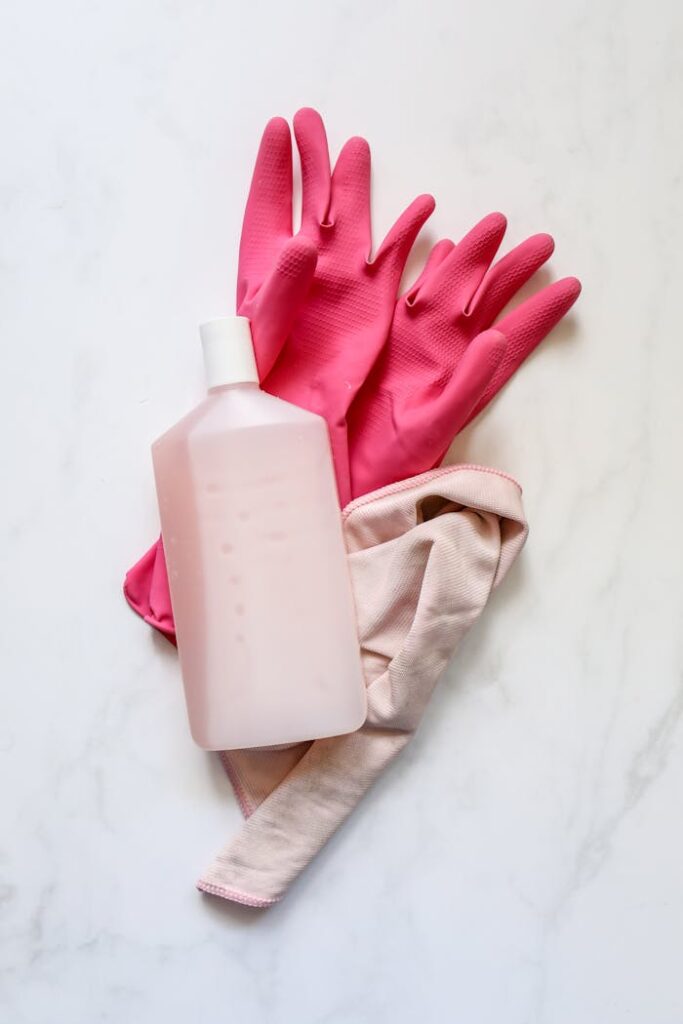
{"x": 256, "y": 561}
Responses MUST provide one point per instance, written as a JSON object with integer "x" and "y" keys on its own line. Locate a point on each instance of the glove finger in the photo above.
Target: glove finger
{"x": 268, "y": 213}
{"x": 456, "y": 280}
{"x": 278, "y": 302}
{"x": 395, "y": 249}
{"x": 311, "y": 141}
{"x": 350, "y": 203}
{"x": 508, "y": 275}
{"x": 138, "y": 582}
{"x": 468, "y": 383}
{"x": 525, "y": 327}
{"x": 440, "y": 251}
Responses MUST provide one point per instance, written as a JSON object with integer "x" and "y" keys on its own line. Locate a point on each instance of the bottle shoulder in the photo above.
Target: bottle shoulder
{"x": 239, "y": 409}
{"x": 262, "y": 403}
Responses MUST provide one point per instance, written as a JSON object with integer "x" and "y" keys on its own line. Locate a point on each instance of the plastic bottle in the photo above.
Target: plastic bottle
{"x": 256, "y": 561}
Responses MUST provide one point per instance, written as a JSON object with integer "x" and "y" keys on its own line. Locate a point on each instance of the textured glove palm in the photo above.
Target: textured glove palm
{"x": 443, "y": 363}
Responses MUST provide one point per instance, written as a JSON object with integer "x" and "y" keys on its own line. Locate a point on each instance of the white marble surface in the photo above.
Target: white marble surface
{"x": 524, "y": 862}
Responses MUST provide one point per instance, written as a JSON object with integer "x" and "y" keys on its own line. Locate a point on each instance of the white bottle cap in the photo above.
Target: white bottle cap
{"x": 228, "y": 351}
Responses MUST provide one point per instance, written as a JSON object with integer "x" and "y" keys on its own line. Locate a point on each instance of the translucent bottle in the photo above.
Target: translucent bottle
{"x": 256, "y": 561}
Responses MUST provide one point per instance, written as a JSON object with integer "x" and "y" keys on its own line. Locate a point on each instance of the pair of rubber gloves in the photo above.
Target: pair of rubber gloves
{"x": 396, "y": 379}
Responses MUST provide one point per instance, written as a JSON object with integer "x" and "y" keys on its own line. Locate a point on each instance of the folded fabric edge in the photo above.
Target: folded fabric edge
{"x": 234, "y": 895}
{"x": 420, "y": 479}
{"x": 247, "y": 806}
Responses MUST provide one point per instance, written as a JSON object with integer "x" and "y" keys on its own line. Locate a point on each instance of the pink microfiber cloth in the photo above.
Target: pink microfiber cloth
{"x": 424, "y": 557}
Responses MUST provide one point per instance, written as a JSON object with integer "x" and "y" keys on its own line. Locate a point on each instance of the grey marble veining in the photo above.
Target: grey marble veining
{"x": 523, "y": 861}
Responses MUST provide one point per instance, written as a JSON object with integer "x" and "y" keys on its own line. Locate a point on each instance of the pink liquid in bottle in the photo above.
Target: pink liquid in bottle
{"x": 256, "y": 561}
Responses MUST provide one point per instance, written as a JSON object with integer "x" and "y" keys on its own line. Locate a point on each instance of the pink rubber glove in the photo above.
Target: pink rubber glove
{"x": 437, "y": 370}
{"x": 333, "y": 338}
{"x": 434, "y": 374}
{"x": 343, "y": 324}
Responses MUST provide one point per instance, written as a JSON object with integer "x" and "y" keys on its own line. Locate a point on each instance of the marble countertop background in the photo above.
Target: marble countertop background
{"x": 523, "y": 863}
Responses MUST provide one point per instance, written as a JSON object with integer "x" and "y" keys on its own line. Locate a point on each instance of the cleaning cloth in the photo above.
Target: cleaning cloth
{"x": 424, "y": 557}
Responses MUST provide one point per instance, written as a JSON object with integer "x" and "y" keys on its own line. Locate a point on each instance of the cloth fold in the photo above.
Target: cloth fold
{"x": 424, "y": 556}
